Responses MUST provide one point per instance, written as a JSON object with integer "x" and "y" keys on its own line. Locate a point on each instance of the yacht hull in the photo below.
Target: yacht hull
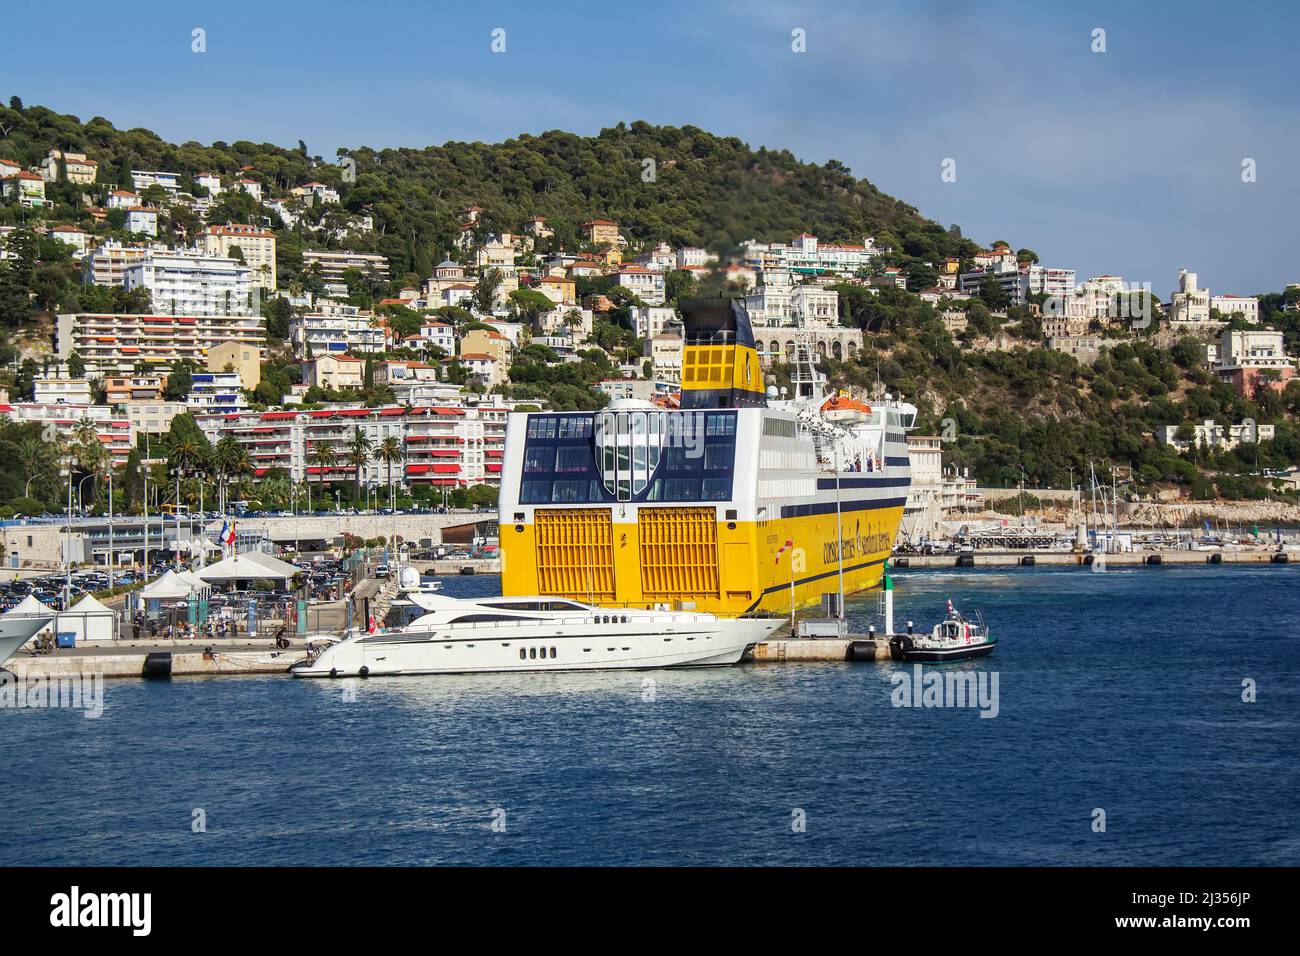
{"x": 17, "y": 631}
{"x": 639, "y": 644}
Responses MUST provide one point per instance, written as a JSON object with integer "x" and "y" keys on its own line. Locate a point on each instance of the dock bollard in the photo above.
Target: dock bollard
{"x": 909, "y": 627}
{"x": 871, "y": 631}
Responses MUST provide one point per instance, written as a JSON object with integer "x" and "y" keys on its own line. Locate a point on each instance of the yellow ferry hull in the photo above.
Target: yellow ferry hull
{"x": 684, "y": 557}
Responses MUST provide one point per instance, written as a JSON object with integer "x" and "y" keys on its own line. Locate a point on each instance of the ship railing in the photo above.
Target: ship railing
{"x": 721, "y": 337}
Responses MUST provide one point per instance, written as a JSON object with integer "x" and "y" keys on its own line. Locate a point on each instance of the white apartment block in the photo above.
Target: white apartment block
{"x": 62, "y": 391}
{"x": 690, "y": 257}
{"x": 112, "y": 428}
{"x": 216, "y": 392}
{"x": 250, "y": 186}
{"x": 1210, "y": 434}
{"x": 113, "y": 344}
{"x": 142, "y": 221}
{"x": 646, "y": 284}
{"x": 152, "y": 418}
{"x": 209, "y": 181}
{"x": 650, "y": 320}
{"x": 189, "y": 282}
{"x": 107, "y": 263}
{"x": 142, "y": 179}
{"x": 446, "y": 445}
{"x": 1236, "y": 305}
{"x": 255, "y": 244}
{"x": 336, "y": 329}
{"x": 778, "y": 304}
{"x": 334, "y": 264}
{"x": 807, "y": 255}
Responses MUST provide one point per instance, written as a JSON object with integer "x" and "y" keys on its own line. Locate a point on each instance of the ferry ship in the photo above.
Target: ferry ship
{"x": 743, "y": 500}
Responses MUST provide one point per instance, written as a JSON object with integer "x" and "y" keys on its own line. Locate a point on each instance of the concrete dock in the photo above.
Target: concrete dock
{"x": 1023, "y": 557}
{"x": 188, "y": 658}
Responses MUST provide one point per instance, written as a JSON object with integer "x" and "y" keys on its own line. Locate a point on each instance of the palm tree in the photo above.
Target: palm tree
{"x": 389, "y": 452}
{"x": 358, "y": 458}
{"x": 323, "y": 457}
{"x": 225, "y": 456}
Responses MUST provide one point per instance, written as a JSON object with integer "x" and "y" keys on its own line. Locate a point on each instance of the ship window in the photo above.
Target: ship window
{"x": 539, "y": 458}
{"x": 552, "y": 653}
{"x": 523, "y": 654}
{"x": 532, "y": 653}
{"x": 482, "y": 618}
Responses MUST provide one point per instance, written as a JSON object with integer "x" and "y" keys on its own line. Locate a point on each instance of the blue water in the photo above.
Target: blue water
{"x": 1119, "y": 691}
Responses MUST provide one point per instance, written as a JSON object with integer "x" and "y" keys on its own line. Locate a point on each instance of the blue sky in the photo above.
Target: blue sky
{"x": 1125, "y": 162}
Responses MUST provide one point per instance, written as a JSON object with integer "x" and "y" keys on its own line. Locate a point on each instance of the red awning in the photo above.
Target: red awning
{"x": 442, "y": 469}
{"x": 493, "y": 466}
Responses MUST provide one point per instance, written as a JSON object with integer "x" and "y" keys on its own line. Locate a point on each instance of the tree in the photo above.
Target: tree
{"x": 358, "y": 458}
{"x": 322, "y": 457}
{"x": 180, "y": 381}
{"x": 390, "y": 452}
{"x": 485, "y": 291}
{"x": 76, "y": 365}
{"x": 529, "y": 305}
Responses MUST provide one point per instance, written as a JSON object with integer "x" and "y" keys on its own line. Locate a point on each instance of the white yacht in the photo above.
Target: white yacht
{"x": 456, "y": 636}
{"x": 17, "y": 629}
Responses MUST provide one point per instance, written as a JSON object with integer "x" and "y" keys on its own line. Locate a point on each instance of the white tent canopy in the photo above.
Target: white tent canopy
{"x": 251, "y": 566}
{"x": 170, "y": 586}
{"x": 30, "y": 606}
{"x": 195, "y": 582}
{"x": 89, "y": 620}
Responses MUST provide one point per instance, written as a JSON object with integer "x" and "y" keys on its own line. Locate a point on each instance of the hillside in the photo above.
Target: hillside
{"x": 707, "y": 190}
{"x": 1014, "y": 412}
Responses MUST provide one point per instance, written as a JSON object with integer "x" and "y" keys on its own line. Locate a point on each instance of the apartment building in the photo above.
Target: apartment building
{"x": 142, "y": 179}
{"x": 333, "y": 265}
{"x": 153, "y": 418}
{"x": 1210, "y": 434}
{"x": 336, "y": 329}
{"x": 107, "y": 263}
{"x": 61, "y": 391}
{"x": 445, "y": 445}
{"x": 112, "y": 428}
{"x": 142, "y": 220}
{"x": 1245, "y": 306}
{"x": 647, "y": 284}
{"x": 129, "y": 389}
{"x": 807, "y": 255}
{"x": 1190, "y": 305}
{"x": 190, "y": 282}
{"x": 113, "y": 344}
{"x": 216, "y": 392}
{"x": 255, "y": 244}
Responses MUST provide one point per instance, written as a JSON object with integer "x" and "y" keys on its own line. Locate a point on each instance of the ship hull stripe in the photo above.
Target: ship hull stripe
{"x": 829, "y": 507}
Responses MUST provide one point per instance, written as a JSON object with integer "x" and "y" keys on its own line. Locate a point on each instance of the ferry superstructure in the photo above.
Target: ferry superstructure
{"x": 734, "y": 503}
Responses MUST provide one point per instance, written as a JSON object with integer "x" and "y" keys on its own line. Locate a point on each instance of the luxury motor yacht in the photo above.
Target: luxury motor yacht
{"x": 455, "y": 636}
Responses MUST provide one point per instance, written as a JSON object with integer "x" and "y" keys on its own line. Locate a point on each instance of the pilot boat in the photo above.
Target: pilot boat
{"x": 506, "y": 634}
{"x": 955, "y": 639}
